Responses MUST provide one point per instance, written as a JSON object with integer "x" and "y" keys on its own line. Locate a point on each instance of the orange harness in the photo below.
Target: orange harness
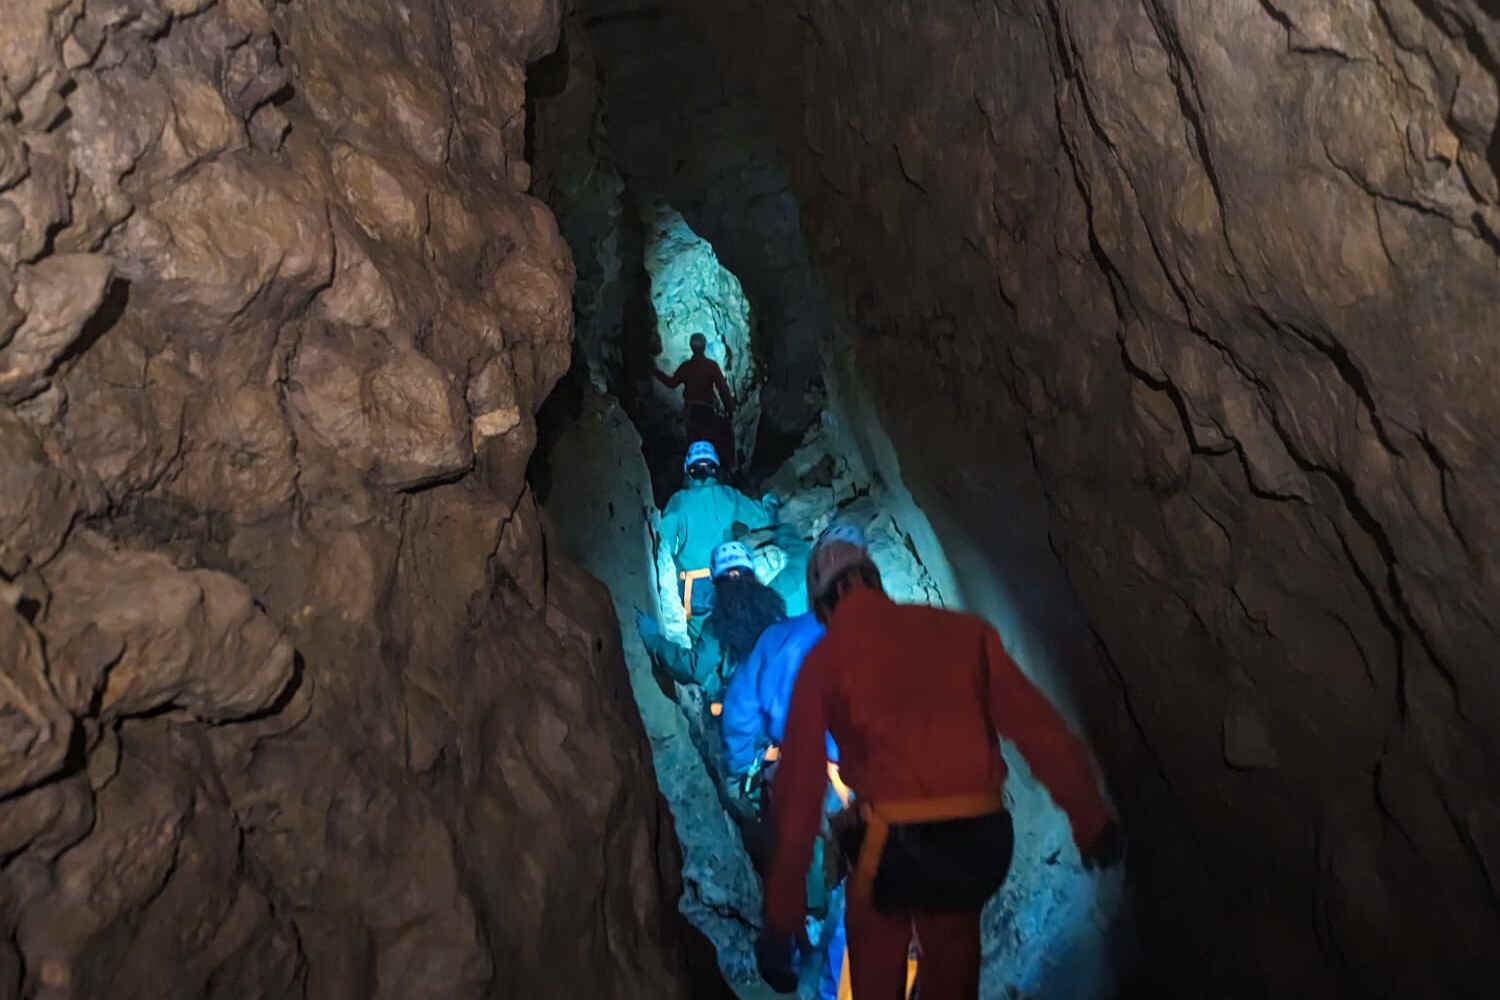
{"x": 688, "y": 577}
{"x": 878, "y": 820}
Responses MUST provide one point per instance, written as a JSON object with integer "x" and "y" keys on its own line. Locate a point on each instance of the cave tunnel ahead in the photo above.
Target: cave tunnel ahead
{"x": 613, "y": 442}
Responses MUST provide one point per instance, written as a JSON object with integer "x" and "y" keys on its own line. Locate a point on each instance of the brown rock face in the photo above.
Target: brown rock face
{"x": 292, "y": 702}
{"x": 1220, "y": 278}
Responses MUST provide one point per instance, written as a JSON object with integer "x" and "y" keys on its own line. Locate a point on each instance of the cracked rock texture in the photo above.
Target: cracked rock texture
{"x": 293, "y": 702}
{"x": 1218, "y": 281}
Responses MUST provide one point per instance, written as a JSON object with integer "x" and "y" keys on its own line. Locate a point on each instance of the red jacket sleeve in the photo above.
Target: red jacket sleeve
{"x": 671, "y": 381}
{"x": 1058, "y": 759}
{"x": 798, "y": 795}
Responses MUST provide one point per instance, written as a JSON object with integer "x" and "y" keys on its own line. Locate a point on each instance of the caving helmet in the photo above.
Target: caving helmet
{"x": 840, "y": 547}
{"x": 731, "y": 556}
{"x": 702, "y": 460}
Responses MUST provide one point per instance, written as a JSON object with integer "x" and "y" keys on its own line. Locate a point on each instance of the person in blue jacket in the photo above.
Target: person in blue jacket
{"x": 702, "y": 515}
{"x": 754, "y": 721}
{"x": 756, "y": 700}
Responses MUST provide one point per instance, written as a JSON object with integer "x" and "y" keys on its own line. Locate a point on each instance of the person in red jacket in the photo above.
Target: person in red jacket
{"x": 914, "y": 696}
{"x": 701, "y": 379}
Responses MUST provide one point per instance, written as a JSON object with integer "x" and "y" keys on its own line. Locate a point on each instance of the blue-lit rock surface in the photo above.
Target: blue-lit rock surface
{"x": 1047, "y": 933}
{"x": 1050, "y": 932}
{"x": 691, "y": 292}
{"x": 599, "y": 508}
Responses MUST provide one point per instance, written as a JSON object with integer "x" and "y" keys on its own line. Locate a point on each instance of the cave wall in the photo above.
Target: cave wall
{"x": 296, "y": 701}
{"x": 1212, "y": 285}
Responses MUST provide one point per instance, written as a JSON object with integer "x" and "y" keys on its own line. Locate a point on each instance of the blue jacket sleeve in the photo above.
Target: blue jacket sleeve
{"x": 743, "y": 739}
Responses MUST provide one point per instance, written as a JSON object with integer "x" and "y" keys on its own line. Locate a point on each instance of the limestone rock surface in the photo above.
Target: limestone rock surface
{"x": 294, "y": 702}
{"x": 1214, "y": 282}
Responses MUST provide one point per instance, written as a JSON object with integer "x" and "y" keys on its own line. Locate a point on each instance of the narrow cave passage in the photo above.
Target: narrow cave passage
{"x": 1160, "y": 334}
{"x": 612, "y": 439}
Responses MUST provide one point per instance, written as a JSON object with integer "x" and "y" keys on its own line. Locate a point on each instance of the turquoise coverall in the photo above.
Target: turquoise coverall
{"x": 699, "y": 517}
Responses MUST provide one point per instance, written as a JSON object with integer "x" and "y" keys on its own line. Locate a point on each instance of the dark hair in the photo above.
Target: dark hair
{"x": 743, "y": 609}
{"x": 841, "y": 585}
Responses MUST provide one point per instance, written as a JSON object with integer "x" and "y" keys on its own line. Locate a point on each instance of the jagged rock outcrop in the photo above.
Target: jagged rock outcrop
{"x": 1220, "y": 279}
{"x": 294, "y": 702}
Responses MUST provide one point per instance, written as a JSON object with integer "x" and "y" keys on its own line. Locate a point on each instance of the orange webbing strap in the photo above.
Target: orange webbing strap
{"x": 843, "y": 791}
{"x": 687, "y": 577}
{"x": 846, "y": 987}
{"x": 878, "y": 820}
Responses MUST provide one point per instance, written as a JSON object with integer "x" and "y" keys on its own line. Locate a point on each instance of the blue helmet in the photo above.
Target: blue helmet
{"x": 841, "y": 531}
{"x": 700, "y": 451}
{"x": 839, "y": 548}
{"x": 731, "y": 555}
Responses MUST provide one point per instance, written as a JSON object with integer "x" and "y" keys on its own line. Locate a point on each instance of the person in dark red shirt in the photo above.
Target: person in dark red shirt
{"x": 914, "y": 696}
{"x": 701, "y": 378}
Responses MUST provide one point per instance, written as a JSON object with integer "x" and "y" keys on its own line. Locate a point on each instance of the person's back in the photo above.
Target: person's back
{"x": 916, "y": 698}
{"x": 756, "y": 702}
{"x": 699, "y": 377}
{"x": 701, "y": 515}
{"x": 909, "y": 693}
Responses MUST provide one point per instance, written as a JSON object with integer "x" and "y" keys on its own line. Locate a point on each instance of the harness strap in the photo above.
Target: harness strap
{"x": 879, "y": 817}
{"x": 687, "y": 577}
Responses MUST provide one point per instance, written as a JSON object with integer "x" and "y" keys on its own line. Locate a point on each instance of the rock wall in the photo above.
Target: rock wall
{"x": 295, "y": 701}
{"x": 1213, "y": 286}
{"x": 599, "y": 506}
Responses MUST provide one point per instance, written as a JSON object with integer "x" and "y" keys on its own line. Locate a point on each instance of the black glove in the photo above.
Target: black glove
{"x": 776, "y": 955}
{"x": 1107, "y": 849}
